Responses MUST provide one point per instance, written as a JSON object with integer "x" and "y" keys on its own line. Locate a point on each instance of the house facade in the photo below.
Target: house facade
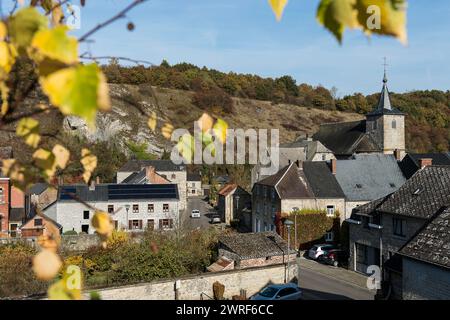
{"x": 194, "y": 185}
{"x": 132, "y": 207}
{"x": 311, "y": 186}
{"x": 166, "y": 169}
{"x": 380, "y": 229}
{"x": 232, "y": 201}
{"x": 12, "y": 208}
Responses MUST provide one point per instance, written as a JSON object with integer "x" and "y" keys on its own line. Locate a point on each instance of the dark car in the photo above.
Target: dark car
{"x": 335, "y": 257}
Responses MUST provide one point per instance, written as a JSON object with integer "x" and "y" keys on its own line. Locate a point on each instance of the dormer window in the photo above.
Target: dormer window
{"x": 358, "y": 185}
{"x": 392, "y": 185}
{"x": 417, "y": 191}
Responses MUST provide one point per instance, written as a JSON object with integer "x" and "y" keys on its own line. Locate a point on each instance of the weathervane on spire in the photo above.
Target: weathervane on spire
{"x": 385, "y": 65}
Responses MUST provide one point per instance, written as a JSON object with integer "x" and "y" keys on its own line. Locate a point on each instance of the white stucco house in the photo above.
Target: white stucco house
{"x": 133, "y": 207}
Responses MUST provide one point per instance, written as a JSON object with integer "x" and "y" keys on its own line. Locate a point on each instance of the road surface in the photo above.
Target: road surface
{"x": 317, "y": 286}
{"x": 206, "y": 211}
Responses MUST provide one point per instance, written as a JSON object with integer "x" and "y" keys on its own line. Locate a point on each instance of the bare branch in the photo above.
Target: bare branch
{"x": 120, "y": 15}
{"x": 14, "y": 8}
{"x": 56, "y": 6}
{"x": 86, "y": 57}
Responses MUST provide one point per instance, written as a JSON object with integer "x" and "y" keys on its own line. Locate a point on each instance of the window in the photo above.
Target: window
{"x": 135, "y": 224}
{"x": 37, "y": 222}
{"x": 173, "y": 176}
{"x": 165, "y": 207}
{"x": 330, "y": 211}
{"x": 324, "y": 157}
{"x": 273, "y": 194}
{"x": 399, "y": 227}
{"x": 85, "y": 228}
{"x": 135, "y": 208}
{"x": 150, "y": 208}
{"x": 2, "y": 198}
{"x": 166, "y": 224}
{"x": 329, "y": 236}
{"x": 86, "y": 214}
{"x": 375, "y": 125}
{"x": 110, "y": 208}
{"x": 151, "y": 224}
{"x": 193, "y": 191}
{"x": 394, "y": 124}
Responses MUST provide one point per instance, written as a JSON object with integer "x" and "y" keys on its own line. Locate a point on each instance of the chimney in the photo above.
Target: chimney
{"x": 150, "y": 173}
{"x": 398, "y": 154}
{"x": 425, "y": 162}
{"x": 60, "y": 180}
{"x": 333, "y": 166}
{"x": 92, "y": 185}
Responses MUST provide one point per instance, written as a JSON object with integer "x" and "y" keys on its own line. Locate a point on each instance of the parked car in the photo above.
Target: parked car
{"x": 334, "y": 257}
{"x": 319, "y": 249}
{"x": 287, "y": 291}
{"x": 215, "y": 219}
{"x": 195, "y": 213}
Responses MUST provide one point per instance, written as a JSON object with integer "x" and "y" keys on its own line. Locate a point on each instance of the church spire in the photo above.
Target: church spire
{"x": 384, "y": 102}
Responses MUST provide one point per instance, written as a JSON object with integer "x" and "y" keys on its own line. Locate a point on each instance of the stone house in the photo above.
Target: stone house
{"x": 233, "y": 200}
{"x": 310, "y": 186}
{"x": 367, "y": 177}
{"x": 255, "y": 249}
{"x": 37, "y": 226}
{"x": 133, "y": 207}
{"x": 426, "y": 261}
{"x": 12, "y": 204}
{"x": 194, "y": 185}
{"x": 380, "y": 229}
{"x": 383, "y": 131}
{"x": 165, "y": 169}
{"x": 413, "y": 162}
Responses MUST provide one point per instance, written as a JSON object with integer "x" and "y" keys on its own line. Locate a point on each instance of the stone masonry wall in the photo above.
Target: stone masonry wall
{"x": 191, "y": 288}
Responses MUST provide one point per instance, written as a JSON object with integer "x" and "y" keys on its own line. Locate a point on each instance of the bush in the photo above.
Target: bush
{"x": 16, "y": 277}
{"x": 214, "y": 99}
{"x": 70, "y": 233}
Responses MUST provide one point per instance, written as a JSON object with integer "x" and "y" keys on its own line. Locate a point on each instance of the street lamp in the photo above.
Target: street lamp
{"x": 295, "y": 210}
{"x": 288, "y": 223}
{"x": 127, "y": 207}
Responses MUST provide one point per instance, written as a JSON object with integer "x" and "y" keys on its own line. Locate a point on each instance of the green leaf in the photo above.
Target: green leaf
{"x": 23, "y": 26}
{"x": 79, "y": 91}
{"x": 28, "y": 128}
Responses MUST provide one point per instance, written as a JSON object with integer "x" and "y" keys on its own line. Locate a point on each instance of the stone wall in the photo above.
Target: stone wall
{"x": 200, "y": 286}
{"x": 424, "y": 281}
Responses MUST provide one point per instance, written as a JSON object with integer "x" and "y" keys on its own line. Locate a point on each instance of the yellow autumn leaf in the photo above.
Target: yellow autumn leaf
{"x": 79, "y": 91}
{"x": 185, "y": 147}
{"x": 45, "y": 160}
{"x": 167, "y": 130}
{"x": 205, "y": 122}
{"x": 4, "y": 92}
{"x": 8, "y": 56}
{"x": 220, "y": 130}
{"x": 57, "y": 15}
{"x": 3, "y": 31}
{"x": 152, "y": 121}
{"x": 16, "y": 172}
{"x": 89, "y": 162}
{"x": 28, "y": 128}
{"x": 46, "y": 265}
{"x": 391, "y": 15}
{"x": 278, "y": 7}
{"x": 55, "y": 44}
{"x": 24, "y": 24}
{"x": 62, "y": 155}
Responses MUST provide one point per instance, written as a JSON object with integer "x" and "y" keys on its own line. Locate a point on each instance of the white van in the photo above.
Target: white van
{"x": 195, "y": 213}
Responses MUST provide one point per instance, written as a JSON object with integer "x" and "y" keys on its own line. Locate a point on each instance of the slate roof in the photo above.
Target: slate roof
{"x": 346, "y": 138}
{"x": 255, "y": 245}
{"x": 426, "y": 192}
{"x": 432, "y": 243}
{"x": 159, "y": 165}
{"x": 411, "y": 162}
{"x": 137, "y": 177}
{"x": 38, "y": 188}
{"x": 367, "y": 177}
{"x": 106, "y": 192}
{"x": 323, "y": 183}
{"x": 384, "y": 105}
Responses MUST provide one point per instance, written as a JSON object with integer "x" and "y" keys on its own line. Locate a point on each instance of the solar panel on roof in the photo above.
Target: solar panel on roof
{"x": 144, "y": 191}
{"x": 66, "y": 193}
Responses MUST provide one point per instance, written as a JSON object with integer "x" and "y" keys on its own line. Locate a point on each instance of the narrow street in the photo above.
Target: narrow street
{"x": 206, "y": 211}
{"x": 322, "y": 282}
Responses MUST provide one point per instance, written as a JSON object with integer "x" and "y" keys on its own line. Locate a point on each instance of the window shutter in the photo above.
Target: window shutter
{"x": 130, "y": 224}
{"x": 170, "y": 223}
{"x": 160, "y": 223}
{"x": 140, "y": 224}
